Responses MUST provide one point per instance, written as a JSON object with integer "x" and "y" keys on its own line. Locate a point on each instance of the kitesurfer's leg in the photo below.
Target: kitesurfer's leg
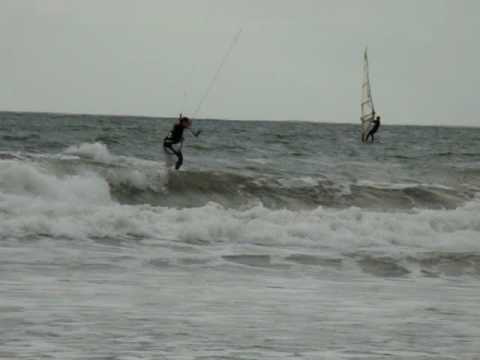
{"x": 170, "y": 150}
{"x": 169, "y": 156}
{"x": 179, "y": 161}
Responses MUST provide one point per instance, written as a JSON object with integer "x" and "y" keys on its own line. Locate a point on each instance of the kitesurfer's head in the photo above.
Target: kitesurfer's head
{"x": 378, "y": 118}
{"x": 185, "y": 122}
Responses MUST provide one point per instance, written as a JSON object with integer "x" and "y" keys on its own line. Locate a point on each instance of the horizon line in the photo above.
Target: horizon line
{"x": 222, "y": 119}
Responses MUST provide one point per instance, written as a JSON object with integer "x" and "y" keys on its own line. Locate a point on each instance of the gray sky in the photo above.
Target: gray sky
{"x": 296, "y": 59}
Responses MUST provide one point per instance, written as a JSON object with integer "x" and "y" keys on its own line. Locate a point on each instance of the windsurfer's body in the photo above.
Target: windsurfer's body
{"x": 374, "y": 129}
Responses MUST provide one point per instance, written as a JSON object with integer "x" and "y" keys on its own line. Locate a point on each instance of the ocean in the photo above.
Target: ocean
{"x": 276, "y": 240}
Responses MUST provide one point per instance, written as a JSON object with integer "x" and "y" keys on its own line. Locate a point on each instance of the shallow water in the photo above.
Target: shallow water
{"x": 276, "y": 240}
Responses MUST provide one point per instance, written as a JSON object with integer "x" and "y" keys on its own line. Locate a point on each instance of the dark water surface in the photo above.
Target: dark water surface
{"x": 275, "y": 240}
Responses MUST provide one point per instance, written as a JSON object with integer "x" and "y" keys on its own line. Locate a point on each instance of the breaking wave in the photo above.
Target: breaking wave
{"x": 138, "y": 181}
{"x": 44, "y": 198}
{"x": 129, "y": 180}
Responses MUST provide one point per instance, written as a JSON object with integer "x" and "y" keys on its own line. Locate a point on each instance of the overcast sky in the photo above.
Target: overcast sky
{"x": 295, "y": 60}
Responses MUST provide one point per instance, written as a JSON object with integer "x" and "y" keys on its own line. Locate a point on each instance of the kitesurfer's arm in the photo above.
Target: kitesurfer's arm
{"x": 195, "y": 133}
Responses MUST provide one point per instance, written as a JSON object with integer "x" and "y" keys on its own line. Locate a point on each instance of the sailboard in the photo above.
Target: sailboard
{"x": 367, "y": 107}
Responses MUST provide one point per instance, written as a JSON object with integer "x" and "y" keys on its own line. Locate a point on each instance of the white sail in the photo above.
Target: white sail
{"x": 367, "y": 107}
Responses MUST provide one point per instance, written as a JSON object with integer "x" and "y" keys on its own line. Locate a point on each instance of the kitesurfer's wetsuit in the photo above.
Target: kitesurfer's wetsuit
{"x": 175, "y": 138}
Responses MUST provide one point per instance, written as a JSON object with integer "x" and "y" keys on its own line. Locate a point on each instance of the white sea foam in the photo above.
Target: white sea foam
{"x": 96, "y": 151}
{"x": 31, "y": 182}
{"x": 399, "y": 186}
{"x": 298, "y": 181}
{"x": 34, "y": 202}
{"x": 137, "y": 173}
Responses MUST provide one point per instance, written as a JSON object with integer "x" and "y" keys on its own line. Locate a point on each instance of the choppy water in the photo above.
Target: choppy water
{"x": 275, "y": 241}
